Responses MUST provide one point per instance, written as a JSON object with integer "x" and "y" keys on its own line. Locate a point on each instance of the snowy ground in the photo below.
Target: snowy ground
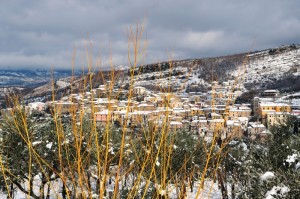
{"x": 210, "y": 191}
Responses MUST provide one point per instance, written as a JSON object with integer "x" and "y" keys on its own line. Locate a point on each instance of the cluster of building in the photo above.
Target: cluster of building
{"x": 201, "y": 113}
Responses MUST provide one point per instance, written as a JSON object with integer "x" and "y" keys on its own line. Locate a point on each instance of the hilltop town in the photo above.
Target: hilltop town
{"x": 200, "y": 113}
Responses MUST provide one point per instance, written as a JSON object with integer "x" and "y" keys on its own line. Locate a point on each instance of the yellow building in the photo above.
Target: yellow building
{"x": 146, "y": 107}
{"x": 265, "y": 108}
{"x": 139, "y": 90}
{"x": 102, "y": 91}
{"x": 239, "y": 112}
{"x": 277, "y": 118}
{"x": 196, "y": 111}
{"x": 99, "y": 108}
{"x": 257, "y": 131}
{"x": 216, "y": 124}
{"x": 234, "y": 129}
{"x": 139, "y": 117}
{"x": 65, "y": 107}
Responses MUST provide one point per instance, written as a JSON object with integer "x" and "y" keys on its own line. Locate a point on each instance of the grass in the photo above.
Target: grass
{"x": 87, "y": 159}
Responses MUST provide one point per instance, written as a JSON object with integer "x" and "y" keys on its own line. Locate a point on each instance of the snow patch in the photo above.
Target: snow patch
{"x": 62, "y": 84}
{"x": 157, "y": 163}
{"x": 49, "y": 145}
{"x": 297, "y": 166}
{"x": 277, "y": 191}
{"x": 291, "y": 158}
{"x": 244, "y": 146}
{"x": 267, "y": 176}
{"x": 36, "y": 143}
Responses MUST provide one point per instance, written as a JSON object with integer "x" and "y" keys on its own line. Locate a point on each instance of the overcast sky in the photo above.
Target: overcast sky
{"x": 40, "y": 34}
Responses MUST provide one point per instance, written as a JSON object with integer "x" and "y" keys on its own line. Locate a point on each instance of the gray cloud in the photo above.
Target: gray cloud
{"x": 44, "y": 33}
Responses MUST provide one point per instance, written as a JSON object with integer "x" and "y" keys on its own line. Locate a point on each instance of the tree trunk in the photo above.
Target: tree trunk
{"x": 43, "y": 182}
{"x": 182, "y": 190}
{"x": 232, "y": 191}
{"x": 191, "y": 184}
{"x": 64, "y": 191}
{"x": 48, "y": 191}
{"x": 31, "y": 189}
{"x": 98, "y": 186}
{"x": 222, "y": 185}
{"x": 191, "y": 180}
{"x": 125, "y": 181}
{"x": 89, "y": 184}
{"x": 29, "y": 192}
{"x": 42, "y": 190}
{"x": 133, "y": 180}
{"x": 11, "y": 191}
{"x": 176, "y": 187}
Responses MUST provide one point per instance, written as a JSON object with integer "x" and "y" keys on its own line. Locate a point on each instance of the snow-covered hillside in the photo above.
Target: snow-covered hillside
{"x": 264, "y": 67}
{"x": 261, "y": 69}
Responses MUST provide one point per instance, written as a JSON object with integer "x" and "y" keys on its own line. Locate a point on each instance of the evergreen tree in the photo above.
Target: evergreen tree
{"x": 270, "y": 168}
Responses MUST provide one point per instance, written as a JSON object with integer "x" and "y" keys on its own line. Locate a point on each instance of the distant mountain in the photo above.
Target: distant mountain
{"x": 25, "y": 80}
{"x": 30, "y": 78}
